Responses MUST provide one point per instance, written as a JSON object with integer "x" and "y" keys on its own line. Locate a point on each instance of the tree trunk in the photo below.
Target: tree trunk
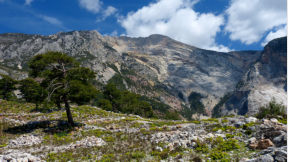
{"x": 68, "y": 112}
{"x": 58, "y": 105}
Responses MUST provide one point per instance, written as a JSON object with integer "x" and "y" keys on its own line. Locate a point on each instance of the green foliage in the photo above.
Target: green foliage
{"x": 216, "y": 154}
{"x": 137, "y": 155}
{"x": 125, "y": 101}
{"x": 224, "y": 128}
{"x": 228, "y": 145}
{"x": 216, "y": 109}
{"x": 273, "y": 109}
{"x": 284, "y": 121}
{"x": 245, "y": 126}
{"x": 172, "y": 115}
{"x": 117, "y": 79}
{"x": 229, "y": 136}
{"x": 156, "y": 105}
{"x": 195, "y": 104}
{"x": 7, "y": 86}
{"x": 224, "y": 121}
{"x": 201, "y": 147}
{"x": 64, "y": 77}
{"x": 32, "y": 91}
{"x": 105, "y": 104}
{"x": 210, "y": 120}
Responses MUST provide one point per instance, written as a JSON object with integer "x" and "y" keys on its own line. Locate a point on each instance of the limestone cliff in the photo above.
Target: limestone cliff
{"x": 265, "y": 80}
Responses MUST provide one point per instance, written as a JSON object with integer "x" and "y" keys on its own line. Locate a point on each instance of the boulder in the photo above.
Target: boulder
{"x": 265, "y": 158}
{"x": 280, "y": 156}
{"x": 273, "y": 120}
{"x": 264, "y": 144}
{"x": 220, "y": 135}
{"x": 264, "y": 121}
{"x": 251, "y": 119}
{"x": 158, "y": 149}
{"x": 253, "y": 145}
{"x": 252, "y": 140}
{"x": 280, "y": 140}
{"x": 210, "y": 135}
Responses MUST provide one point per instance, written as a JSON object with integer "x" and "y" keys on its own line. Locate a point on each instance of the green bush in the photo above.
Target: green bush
{"x": 228, "y": 145}
{"x": 105, "y": 104}
{"x": 224, "y": 121}
{"x": 138, "y": 155}
{"x": 229, "y": 136}
{"x": 245, "y": 126}
{"x": 273, "y": 109}
{"x": 201, "y": 147}
{"x": 216, "y": 154}
{"x": 284, "y": 121}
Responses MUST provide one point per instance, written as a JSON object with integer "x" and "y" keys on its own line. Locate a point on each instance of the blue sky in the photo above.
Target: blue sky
{"x": 221, "y": 25}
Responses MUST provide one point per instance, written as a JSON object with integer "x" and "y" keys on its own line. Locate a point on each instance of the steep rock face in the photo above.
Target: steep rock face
{"x": 165, "y": 63}
{"x": 88, "y": 47}
{"x": 183, "y": 68}
{"x": 267, "y": 79}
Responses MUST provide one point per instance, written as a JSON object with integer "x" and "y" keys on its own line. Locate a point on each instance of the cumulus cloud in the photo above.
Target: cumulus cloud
{"x": 249, "y": 20}
{"x": 28, "y": 2}
{"x": 280, "y": 32}
{"x": 176, "y": 19}
{"x": 106, "y": 13}
{"x": 93, "y": 6}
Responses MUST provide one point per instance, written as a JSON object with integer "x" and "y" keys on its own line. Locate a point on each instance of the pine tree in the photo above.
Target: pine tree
{"x": 32, "y": 91}
{"x": 64, "y": 76}
{"x": 7, "y": 86}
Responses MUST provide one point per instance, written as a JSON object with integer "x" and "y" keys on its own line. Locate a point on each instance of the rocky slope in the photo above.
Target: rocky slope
{"x": 177, "y": 69}
{"x": 265, "y": 80}
{"x": 106, "y": 136}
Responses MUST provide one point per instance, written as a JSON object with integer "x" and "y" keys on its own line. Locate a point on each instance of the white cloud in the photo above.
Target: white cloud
{"x": 28, "y": 2}
{"x": 280, "y": 32}
{"x": 93, "y": 6}
{"x": 176, "y": 19}
{"x": 113, "y": 34}
{"x": 106, "y": 13}
{"x": 52, "y": 20}
{"x": 249, "y": 20}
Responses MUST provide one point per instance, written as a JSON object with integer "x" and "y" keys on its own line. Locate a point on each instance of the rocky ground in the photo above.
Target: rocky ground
{"x": 29, "y": 135}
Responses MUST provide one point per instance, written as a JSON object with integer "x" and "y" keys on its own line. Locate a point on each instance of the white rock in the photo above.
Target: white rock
{"x": 273, "y": 120}
{"x": 251, "y": 119}
{"x": 210, "y": 135}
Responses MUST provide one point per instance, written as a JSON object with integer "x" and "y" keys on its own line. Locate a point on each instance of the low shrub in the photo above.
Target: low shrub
{"x": 216, "y": 154}
{"x": 273, "y": 109}
{"x": 201, "y": 147}
{"x": 229, "y": 136}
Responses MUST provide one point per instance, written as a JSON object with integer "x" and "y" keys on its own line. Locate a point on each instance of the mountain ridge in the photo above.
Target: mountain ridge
{"x": 179, "y": 68}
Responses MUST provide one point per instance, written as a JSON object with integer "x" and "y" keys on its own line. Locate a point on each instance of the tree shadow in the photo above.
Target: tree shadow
{"x": 48, "y": 126}
{"x": 43, "y": 110}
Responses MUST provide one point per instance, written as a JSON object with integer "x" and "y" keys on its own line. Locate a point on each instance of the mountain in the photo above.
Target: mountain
{"x": 174, "y": 73}
{"x": 265, "y": 80}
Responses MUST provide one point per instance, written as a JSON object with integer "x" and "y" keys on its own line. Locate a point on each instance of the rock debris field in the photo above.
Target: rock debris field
{"x": 105, "y": 136}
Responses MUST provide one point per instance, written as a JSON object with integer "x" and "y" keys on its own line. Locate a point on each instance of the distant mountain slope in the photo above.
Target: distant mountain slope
{"x": 265, "y": 80}
{"x": 173, "y": 70}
